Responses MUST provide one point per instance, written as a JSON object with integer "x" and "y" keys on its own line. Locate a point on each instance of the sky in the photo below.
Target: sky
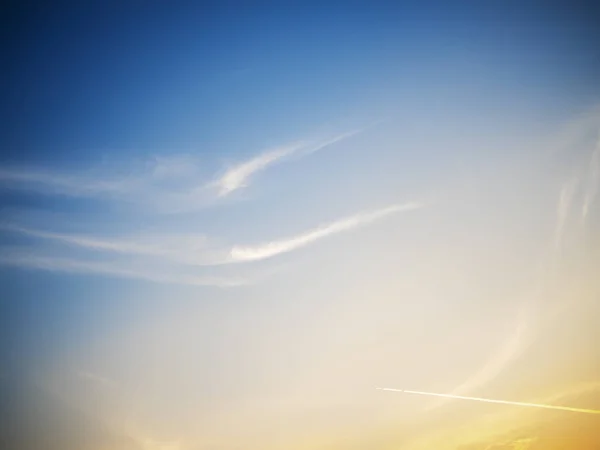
{"x": 224, "y": 225}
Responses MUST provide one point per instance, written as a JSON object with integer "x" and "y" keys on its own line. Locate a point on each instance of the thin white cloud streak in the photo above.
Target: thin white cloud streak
{"x": 88, "y": 242}
{"x": 97, "y": 379}
{"x": 593, "y": 182}
{"x": 145, "y": 183}
{"x": 523, "y": 334}
{"x": 274, "y": 248}
{"x": 132, "y": 181}
{"x": 565, "y": 199}
{"x": 163, "y": 185}
{"x": 573, "y": 132}
{"x": 73, "y": 266}
{"x": 193, "y": 249}
{"x": 177, "y": 248}
{"x": 327, "y": 142}
{"x": 63, "y": 184}
{"x": 239, "y": 176}
{"x": 503, "y": 402}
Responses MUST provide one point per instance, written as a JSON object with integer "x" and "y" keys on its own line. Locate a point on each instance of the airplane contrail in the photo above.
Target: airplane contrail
{"x": 504, "y": 402}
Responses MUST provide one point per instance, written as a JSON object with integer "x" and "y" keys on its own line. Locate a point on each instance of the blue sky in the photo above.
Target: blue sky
{"x": 221, "y": 220}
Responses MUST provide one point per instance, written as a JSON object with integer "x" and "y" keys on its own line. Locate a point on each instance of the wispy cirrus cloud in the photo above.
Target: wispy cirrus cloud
{"x": 316, "y": 146}
{"x": 277, "y": 247}
{"x": 198, "y": 250}
{"x": 523, "y": 333}
{"x": 575, "y": 194}
{"x": 168, "y": 184}
{"x": 578, "y": 194}
{"x": 131, "y": 182}
{"x": 593, "y": 182}
{"x": 511, "y": 348}
{"x": 96, "y": 379}
{"x": 573, "y": 133}
{"x": 107, "y": 268}
{"x": 239, "y": 176}
{"x": 565, "y": 200}
{"x": 57, "y": 183}
{"x": 183, "y": 248}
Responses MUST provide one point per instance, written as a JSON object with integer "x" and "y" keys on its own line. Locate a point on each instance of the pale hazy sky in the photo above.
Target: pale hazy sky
{"x": 222, "y": 227}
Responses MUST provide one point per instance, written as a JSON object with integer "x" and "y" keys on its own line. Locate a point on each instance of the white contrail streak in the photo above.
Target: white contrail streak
{"x": 504, "y": 402}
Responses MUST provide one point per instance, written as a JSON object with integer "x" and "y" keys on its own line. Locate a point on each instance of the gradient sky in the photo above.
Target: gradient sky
{"x": 223, "y": 225}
